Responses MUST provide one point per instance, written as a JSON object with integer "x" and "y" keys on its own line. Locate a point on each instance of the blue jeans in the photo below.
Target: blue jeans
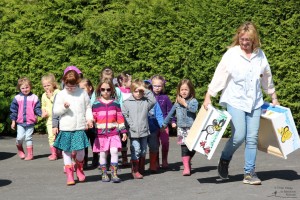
{"x": 153, "y": 142}
{"x": 24, "y": 133}
{"x": 138, "y": 147}
{"x": 244, "y": 127}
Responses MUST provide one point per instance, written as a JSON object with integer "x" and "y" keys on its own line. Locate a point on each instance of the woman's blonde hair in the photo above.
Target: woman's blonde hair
{"x": 251, "y": 30}
{"x": 51, "y": 78}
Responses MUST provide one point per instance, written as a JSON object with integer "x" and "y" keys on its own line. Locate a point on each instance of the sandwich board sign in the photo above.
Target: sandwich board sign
{"x": 207, "y": 130}
{"x": 278, "y": 134}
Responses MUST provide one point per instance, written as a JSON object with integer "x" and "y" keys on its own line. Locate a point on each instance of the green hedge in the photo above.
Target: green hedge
{"x": 175, "y": 38}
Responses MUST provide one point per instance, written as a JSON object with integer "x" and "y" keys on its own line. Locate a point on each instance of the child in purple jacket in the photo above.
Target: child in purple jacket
{"x": 24, "y": 110}
{"x": 158, "y": 84}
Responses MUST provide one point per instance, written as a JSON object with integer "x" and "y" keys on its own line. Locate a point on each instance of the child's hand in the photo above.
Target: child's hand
{"x": 181, "y": 101}
{"x": 174, "y": 125}
{"x": 163, "y": 127}
{"x": 89, "y": 124}
{"x": 13, "y": 125}
{"x": 124, "y": 137}
{"x": 141, "y": 88}
{"x": 66, "y": 105}
{"x": 55, "y": 131}
{"x": 49, "y": 94}
{"x": 44, "y": 114}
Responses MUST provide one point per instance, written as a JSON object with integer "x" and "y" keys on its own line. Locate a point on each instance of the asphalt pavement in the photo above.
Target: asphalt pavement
{"x": 43, "y": 179}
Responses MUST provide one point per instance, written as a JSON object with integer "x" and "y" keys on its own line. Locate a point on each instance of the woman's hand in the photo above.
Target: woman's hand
{"x": 206, "y": 101}
{"x": 275, "y": 102}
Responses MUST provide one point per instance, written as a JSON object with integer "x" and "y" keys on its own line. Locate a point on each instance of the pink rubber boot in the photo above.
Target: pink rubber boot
{"x": 79, "y": 171}
{"x": 186, "y": 165}
{"x": 20, "y": 151}
{"x": 70, "y": 174}
{"x": 53, "y": 155}
{"x": 29, "y": 153}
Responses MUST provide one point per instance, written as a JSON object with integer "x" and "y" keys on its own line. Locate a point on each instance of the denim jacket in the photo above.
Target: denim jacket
{"x": 185, "y": 115}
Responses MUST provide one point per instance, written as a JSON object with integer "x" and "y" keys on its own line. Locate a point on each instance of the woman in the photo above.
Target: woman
{"x": 243, "y": 70}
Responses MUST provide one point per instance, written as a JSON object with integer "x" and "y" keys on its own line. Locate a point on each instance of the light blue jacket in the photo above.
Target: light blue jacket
{"x": 155, "y": 118}
{"x": 185, "y": 115}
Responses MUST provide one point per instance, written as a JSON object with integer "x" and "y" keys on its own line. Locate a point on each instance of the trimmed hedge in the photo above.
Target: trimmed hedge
{"x": 175, "y": 38}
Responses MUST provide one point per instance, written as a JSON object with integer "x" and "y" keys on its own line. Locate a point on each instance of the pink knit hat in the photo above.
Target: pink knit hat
{"x": 72, "y": 68}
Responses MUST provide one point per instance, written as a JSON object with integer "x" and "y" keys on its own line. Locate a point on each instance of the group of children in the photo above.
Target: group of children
{"x": 79, "y": 116}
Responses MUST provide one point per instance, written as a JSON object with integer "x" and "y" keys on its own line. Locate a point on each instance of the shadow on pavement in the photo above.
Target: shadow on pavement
{"x": 4, "y": 182}
{"x": 289, "y": 175}
{"x": 175, "y": 166}
{"x": 41, "y": 156}
{"x": 203, "y": 169}
{"x": 6, "y": 155}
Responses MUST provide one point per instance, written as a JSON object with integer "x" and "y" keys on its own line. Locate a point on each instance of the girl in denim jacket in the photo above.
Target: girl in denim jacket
{"x": 185, "y": 107}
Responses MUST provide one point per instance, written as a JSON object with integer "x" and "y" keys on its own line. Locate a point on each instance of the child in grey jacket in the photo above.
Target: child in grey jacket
{"x": 135, "y": 110}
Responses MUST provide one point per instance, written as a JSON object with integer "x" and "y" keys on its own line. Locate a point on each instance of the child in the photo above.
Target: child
{"x": 55, "y": 119}
{"x": 158, "y": 85}
{"x": 87, "y": 85}
{"x": 155, "y": 120}
{"x": 51, "y": 89}
{"x": 72, "y": 68}
{"x": 109, "y": 124}
{"x": 24, "y": 109}
{"x": 108, "y": 73}
{"x": 124, "y": 81}
{"x": 135, "y": 110}
{"x": 72, "y": 105}
{"x": 185, "y": 107}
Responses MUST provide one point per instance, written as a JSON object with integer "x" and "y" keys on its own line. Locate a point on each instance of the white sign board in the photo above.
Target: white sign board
{"x": 207, "y": 131}
{"x": 278, "y": 134}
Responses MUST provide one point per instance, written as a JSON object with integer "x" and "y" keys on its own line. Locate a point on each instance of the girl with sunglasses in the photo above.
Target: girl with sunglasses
{"x": 109, "y": 123}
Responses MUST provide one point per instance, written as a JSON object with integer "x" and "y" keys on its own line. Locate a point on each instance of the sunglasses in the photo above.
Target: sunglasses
{"x": 105, "y": 89}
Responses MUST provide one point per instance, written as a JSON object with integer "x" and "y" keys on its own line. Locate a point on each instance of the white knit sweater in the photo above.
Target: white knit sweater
{"x": 79, "y": 112}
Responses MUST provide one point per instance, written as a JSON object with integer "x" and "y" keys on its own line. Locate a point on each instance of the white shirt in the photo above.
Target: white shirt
{"x": 241, "y": 79}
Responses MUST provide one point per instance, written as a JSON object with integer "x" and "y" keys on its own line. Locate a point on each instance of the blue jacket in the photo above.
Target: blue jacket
{"x": 155, "y": 118}
{"x": 185, "y": 115}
